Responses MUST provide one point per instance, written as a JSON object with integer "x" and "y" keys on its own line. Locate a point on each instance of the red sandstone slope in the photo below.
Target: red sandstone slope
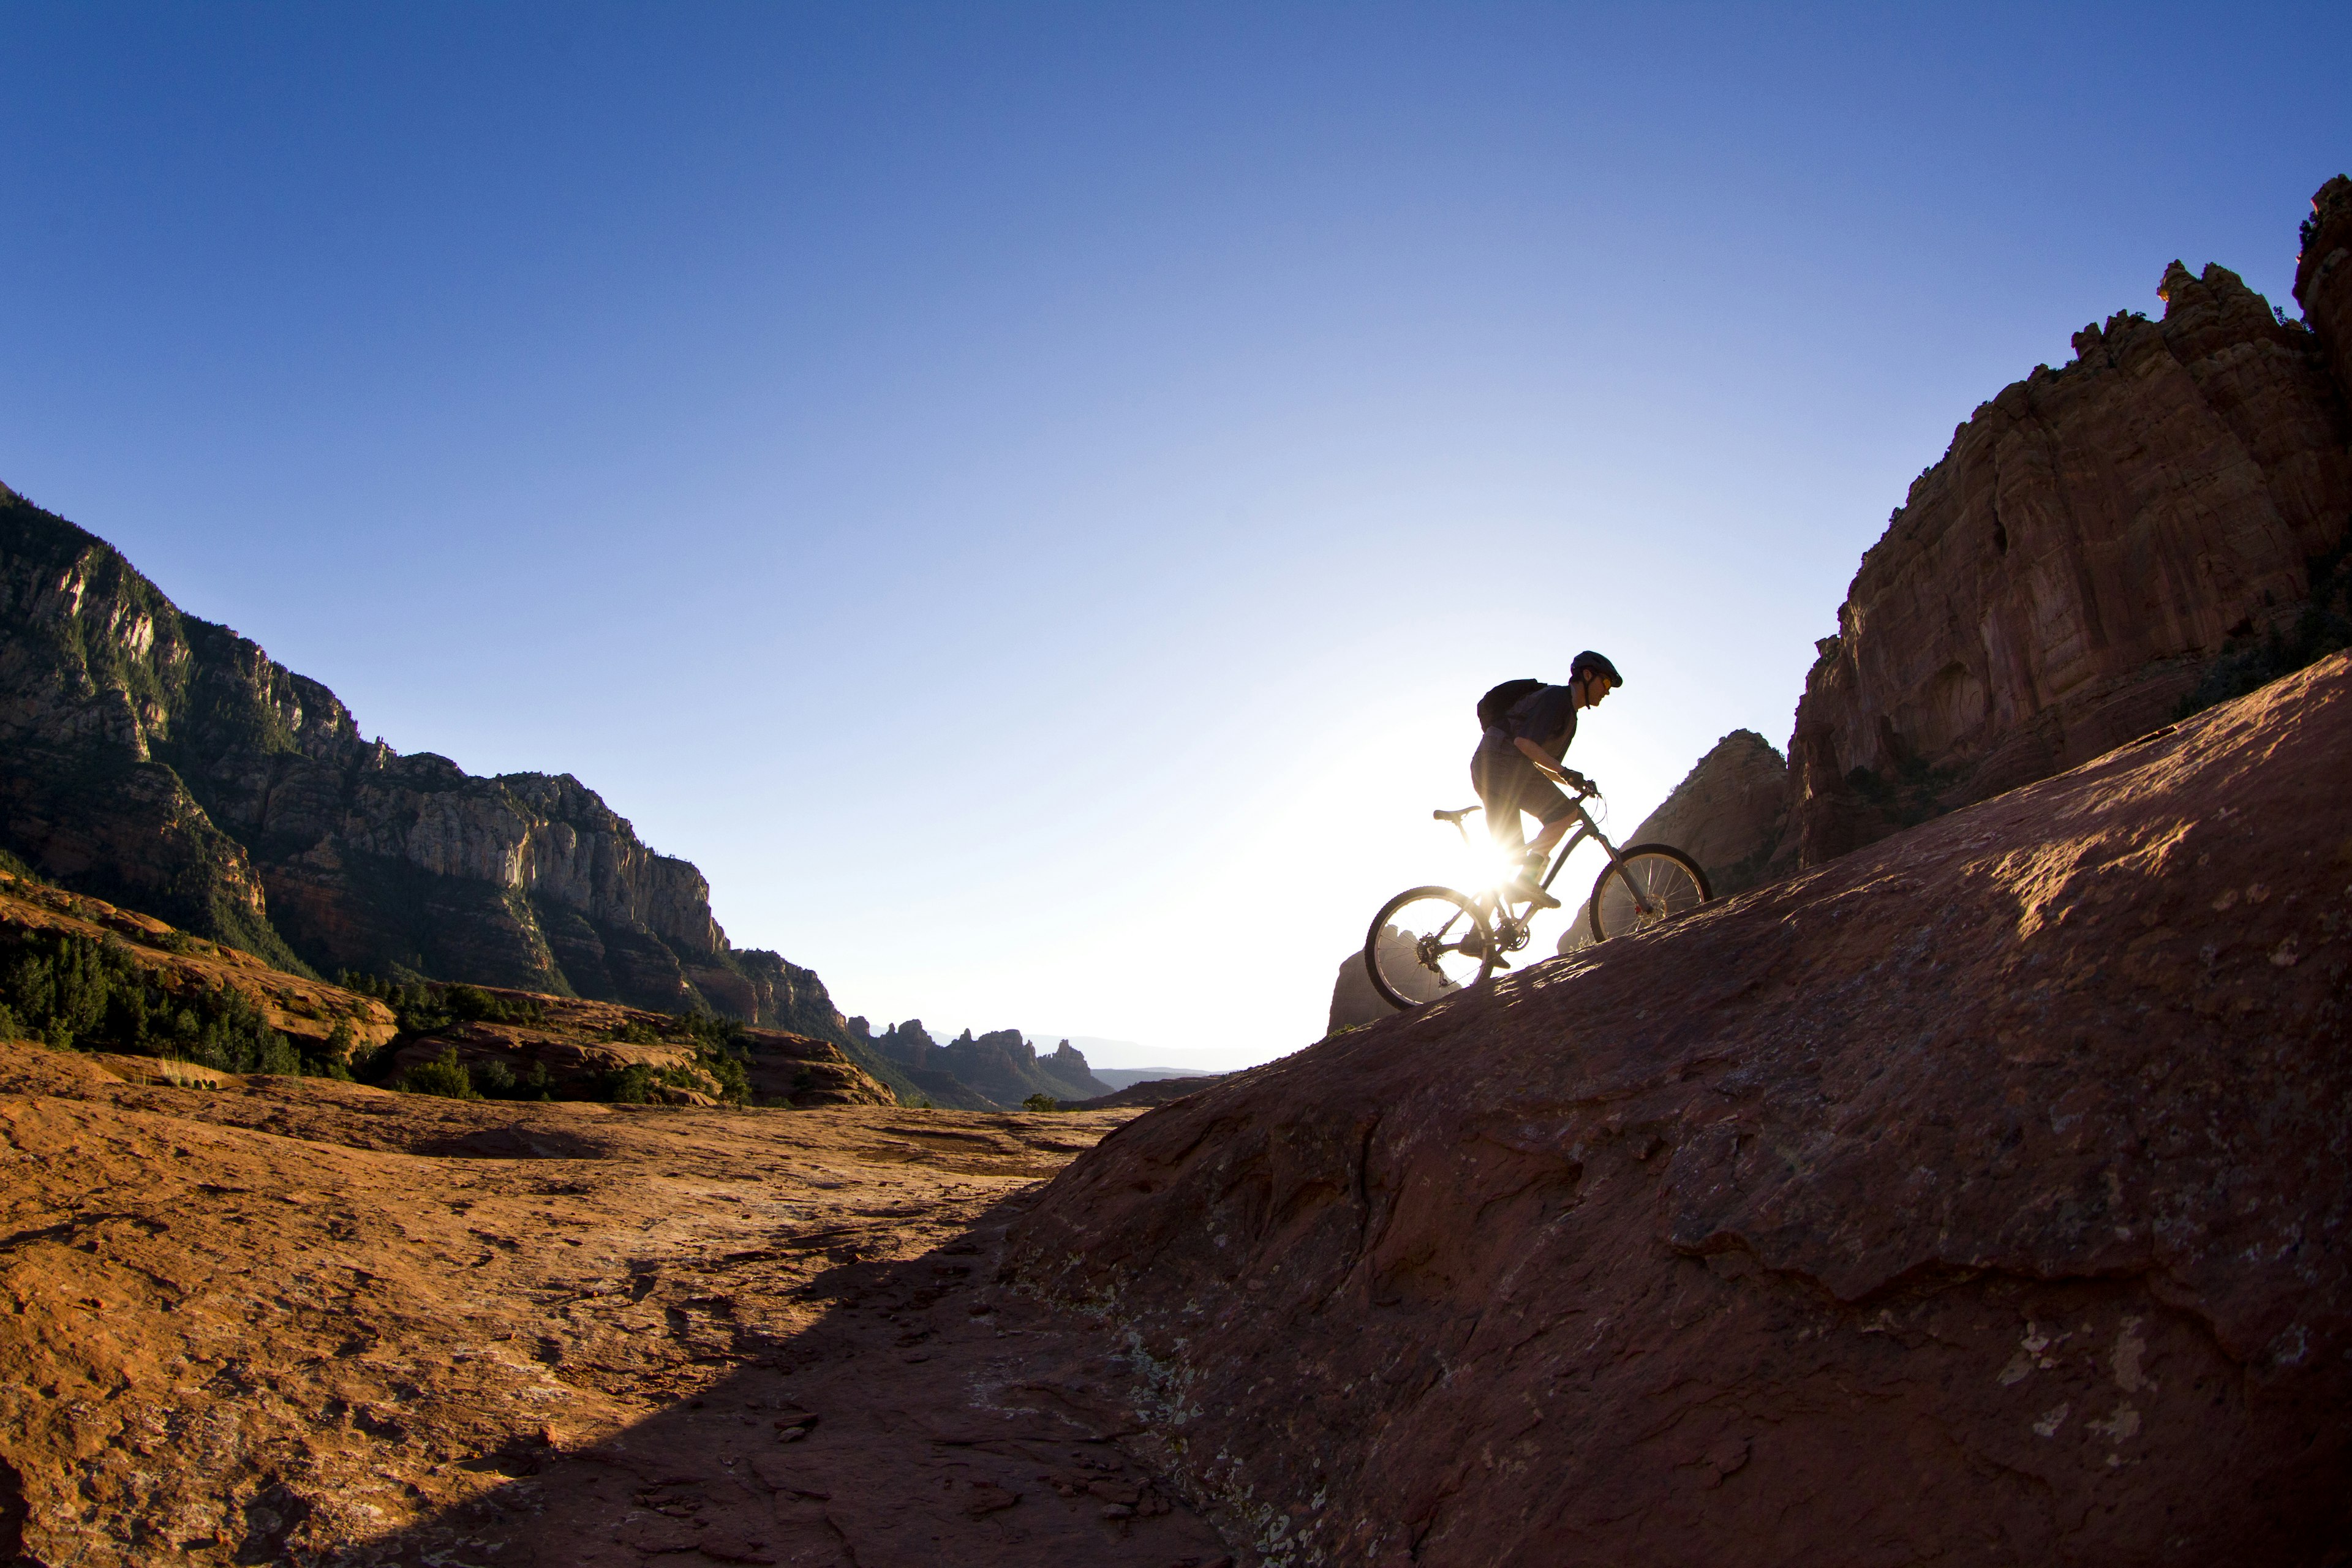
{"x": 1978, "y": 1197}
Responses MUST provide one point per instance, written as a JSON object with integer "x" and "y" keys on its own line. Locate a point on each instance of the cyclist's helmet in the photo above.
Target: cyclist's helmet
{"x": 1590, "y": 662}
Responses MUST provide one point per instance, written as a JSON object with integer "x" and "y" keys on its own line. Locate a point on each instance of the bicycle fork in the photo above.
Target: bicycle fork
{"x": 1592, "y": 831}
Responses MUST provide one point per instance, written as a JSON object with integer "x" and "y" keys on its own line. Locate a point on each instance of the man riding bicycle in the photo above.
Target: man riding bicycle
{"x": 1517, "y": 767}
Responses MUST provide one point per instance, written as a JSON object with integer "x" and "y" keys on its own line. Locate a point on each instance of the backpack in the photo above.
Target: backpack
{"x": 1496, "y": 704}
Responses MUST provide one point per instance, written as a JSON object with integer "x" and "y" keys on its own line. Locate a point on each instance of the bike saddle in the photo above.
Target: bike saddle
{"x": 1453, "y": 817}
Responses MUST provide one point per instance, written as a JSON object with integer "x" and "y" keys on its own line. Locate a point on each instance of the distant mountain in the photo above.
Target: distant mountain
{"x": 994, "y": 1071}
{"x": 168, "y": 764}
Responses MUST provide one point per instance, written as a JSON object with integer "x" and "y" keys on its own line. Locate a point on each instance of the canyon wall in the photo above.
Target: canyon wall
{"x": 166, "y": 763}
{"x": 2097, "y": 536}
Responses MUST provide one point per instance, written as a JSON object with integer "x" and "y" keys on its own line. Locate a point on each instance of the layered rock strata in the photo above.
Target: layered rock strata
{"x": 1976, "y": 1196}
{"x": 2095, "y": 536}
{"x": 161, "y": 761}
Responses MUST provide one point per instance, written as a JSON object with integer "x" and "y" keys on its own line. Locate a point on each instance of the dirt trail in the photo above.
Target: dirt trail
{"x": 299, "y": 1322}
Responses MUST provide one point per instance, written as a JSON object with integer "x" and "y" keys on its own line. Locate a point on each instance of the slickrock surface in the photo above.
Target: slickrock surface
{"x": 288, "y": 1320}
{"x": 1981, "y": 1197}
{"x": 2097, "y": 534}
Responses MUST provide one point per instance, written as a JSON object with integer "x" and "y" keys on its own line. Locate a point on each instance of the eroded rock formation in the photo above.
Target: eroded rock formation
{"x": 1978, "y": 1196}
{"x": 995, "y": 1071}
{"x": 2096, "y": 535}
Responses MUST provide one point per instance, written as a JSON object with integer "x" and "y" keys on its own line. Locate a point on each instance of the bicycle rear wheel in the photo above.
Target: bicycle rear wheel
{"x": 1671, "y": 883}
{"x": 1425, "y": 943}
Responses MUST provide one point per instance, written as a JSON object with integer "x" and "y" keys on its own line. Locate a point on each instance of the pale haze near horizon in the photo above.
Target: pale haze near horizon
{"x": 1025, "y": 498}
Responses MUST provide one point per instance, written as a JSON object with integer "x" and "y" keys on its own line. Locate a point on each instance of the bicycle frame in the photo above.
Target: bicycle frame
{"x": 1590, "y": 829}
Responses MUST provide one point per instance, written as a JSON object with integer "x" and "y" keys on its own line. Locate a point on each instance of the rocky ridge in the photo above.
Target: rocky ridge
{"x": 995, "y": 1071}
{"x": 1976, "y": 1195}
{"x": 166, "y": 763}
{"x": 163, "y": 762}
{"x": 510, "y": 1042}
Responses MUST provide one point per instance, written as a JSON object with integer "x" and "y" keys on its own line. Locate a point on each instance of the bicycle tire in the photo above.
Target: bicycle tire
{"x": 1400, "y": 969}
{"x": 1667, "y": 875}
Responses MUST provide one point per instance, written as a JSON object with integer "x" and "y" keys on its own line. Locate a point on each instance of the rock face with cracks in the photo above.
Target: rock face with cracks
{"x": 1981, "y": 1197}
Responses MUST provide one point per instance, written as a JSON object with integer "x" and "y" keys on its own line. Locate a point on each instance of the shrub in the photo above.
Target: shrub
{"x": 445, "y": 1075}
{"x": 422, "y": 1007}
{"x": 1040, "y": 1102}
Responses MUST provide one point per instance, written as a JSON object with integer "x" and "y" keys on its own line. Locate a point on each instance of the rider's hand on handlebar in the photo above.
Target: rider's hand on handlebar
{"x": 1577, "y": 780}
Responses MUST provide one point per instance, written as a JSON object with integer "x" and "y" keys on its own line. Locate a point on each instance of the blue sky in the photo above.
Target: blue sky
{"x": 1025, "y": 496}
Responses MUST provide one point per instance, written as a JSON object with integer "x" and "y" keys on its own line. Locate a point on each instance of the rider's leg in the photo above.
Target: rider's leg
{"x": 1497, "y": 781}
{"x": 1553, "y": 832}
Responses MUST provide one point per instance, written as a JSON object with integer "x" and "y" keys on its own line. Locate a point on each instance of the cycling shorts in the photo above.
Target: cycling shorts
{"x": 1507, "y": 784}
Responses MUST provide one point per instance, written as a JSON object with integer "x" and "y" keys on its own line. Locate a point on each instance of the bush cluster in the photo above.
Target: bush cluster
{"x": 76, "y": 993}
{"x": 445, "y": 1075}
{"x": 423, "y": 1007}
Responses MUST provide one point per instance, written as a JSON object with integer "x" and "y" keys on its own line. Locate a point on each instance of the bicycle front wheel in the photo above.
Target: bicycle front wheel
{"x": 1670, "y": 884}
{"x": 1426, "y": 944}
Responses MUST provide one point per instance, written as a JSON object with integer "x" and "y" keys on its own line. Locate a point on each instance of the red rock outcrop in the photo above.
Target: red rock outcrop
{"x": 2096, "y": 535}
{"x": 2322, "y": 275}
{"x": 1353, "y": 1000}
{"x": 1979, "y": 1196}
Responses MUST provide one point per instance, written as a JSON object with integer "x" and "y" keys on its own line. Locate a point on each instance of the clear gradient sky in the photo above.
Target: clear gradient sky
{"x": 1025, "y": 496}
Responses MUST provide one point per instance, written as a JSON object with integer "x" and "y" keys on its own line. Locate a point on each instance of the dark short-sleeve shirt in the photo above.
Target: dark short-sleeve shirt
{"x": 1545, "y": 716}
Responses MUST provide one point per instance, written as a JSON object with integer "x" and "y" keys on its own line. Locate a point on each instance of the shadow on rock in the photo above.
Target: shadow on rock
{"x": 924, "y": 1416}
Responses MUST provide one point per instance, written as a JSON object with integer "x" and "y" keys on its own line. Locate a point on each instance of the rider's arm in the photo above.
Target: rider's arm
{"x": 1544, "y": 763}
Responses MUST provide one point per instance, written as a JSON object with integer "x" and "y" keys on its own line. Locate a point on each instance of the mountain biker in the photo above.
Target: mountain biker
{"x": 1517, "y": 768}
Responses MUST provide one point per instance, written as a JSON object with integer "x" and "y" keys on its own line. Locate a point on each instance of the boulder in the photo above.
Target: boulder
{"x": 1979, "y": 1196}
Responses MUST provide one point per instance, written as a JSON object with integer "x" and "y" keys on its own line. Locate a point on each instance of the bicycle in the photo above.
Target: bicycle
{"x": 1428, "y": 943}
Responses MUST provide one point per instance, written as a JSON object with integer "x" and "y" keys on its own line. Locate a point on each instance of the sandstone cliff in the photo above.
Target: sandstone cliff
{"x": 1978, "y": 1196}
{"x": 161, "y": 761}
{"x": 2097, "y": 536}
